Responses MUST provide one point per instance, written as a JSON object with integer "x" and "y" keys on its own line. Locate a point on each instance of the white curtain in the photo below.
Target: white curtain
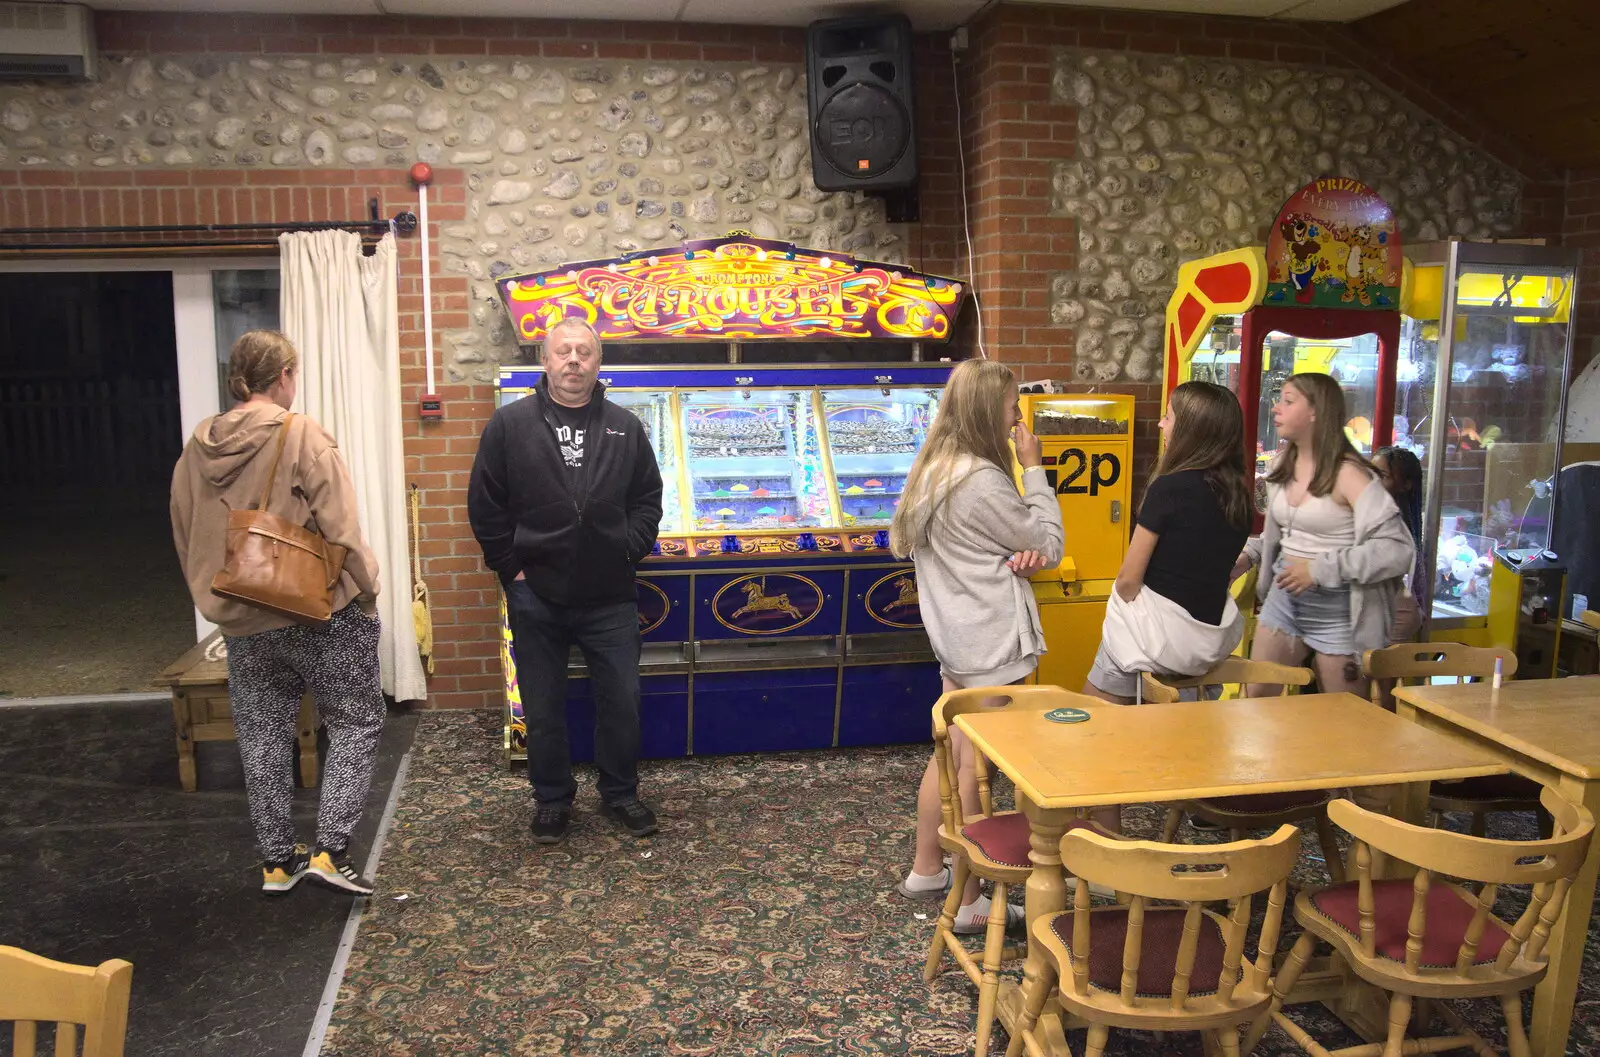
{"x": 339, "y": 308}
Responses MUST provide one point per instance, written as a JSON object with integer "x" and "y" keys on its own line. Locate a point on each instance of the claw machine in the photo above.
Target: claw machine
{"x": 1480, "y": 330}
{"x": 1499, "y": 318}
{"x": 772, "y": 612}
{"x": 1323, "y": 295}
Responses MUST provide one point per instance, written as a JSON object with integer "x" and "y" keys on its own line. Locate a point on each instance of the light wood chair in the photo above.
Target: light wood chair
{"x": 1242, "y": 814}
{"x": 1426, "y": 661}
{"x": 1426, "y": 938}
{"x": 1161, "y": 968}
{"x": 37, "y": 989}
{"x": 994, "y": 845}
{"x": 1168, "y": 689}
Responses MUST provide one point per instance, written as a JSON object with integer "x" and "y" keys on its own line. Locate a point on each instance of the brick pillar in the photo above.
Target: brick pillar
{"x": 1013, "y": 135}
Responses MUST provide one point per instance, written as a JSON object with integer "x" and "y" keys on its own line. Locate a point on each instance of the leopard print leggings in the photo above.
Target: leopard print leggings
{"x": 267, "y": 673}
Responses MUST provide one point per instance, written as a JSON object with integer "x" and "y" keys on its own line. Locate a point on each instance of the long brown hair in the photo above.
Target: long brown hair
{"x": 970, "y": 425}
{"x": 1208, "y": 435}
{"x": 1330, "y": 447}
{"x": 257, "y": 361}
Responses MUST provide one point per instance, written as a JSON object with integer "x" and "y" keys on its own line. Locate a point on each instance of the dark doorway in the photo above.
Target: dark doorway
{"x": 89, "y": 432}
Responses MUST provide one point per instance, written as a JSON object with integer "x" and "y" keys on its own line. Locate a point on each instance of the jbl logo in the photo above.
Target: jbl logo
{"x": 860, "y": 130}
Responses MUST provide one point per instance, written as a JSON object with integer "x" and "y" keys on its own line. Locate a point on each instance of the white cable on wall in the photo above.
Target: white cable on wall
{"x": 966, "y": 222}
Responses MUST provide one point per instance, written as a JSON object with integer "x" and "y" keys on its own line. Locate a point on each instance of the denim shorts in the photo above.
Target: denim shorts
{"x": 1320, "y": 617}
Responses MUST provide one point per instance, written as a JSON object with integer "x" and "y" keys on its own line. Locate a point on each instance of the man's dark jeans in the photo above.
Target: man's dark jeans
{"x": 608, "y": 637}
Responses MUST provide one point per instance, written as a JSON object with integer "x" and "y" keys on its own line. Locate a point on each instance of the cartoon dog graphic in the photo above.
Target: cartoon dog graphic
{"x": 1303, "y": 249}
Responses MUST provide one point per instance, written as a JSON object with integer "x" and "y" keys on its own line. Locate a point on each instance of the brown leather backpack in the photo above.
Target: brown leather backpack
{"x": 276, "y": 565}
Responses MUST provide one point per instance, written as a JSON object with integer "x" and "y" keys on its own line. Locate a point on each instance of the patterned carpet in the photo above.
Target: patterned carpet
{"x": 761, "y": 920}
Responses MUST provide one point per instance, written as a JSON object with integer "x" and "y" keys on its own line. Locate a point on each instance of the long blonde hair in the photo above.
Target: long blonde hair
{"x": 969, "y": 429}
{"x": 1330, "y": 446}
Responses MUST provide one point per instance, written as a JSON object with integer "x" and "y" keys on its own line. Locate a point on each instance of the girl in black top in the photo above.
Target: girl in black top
{"x": 1192, "y": 524}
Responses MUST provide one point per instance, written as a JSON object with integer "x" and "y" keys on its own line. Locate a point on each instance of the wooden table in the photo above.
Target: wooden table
{"x": 1185, "y": 751}
{"x": 201, "y": 710}
{"x": 1545, "y": 729}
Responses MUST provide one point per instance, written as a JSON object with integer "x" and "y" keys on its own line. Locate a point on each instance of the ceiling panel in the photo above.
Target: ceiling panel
{"x": 1319, "y": 10}
{"x": 642, "y": 10}
{"x": 1257, "y": 8}
{"x": 266, "y": 7}
{"x": 1334, "y": 10}
{"x": 1529, "y": 70}
{"x": 925, "y": 15}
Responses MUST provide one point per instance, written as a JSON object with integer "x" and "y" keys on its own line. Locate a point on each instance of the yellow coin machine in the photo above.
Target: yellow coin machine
{"x": 1087, "y": 446}
{"x": 1459, "y": 352}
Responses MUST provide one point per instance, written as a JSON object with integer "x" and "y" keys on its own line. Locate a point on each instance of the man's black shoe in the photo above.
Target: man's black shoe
{"x": 550, "y": 823}
{"x": 634, "y": 816}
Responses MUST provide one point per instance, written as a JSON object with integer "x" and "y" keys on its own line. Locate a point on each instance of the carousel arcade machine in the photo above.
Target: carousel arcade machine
{"x": 773, "y": 613}
{"x": 1481, "y": 331}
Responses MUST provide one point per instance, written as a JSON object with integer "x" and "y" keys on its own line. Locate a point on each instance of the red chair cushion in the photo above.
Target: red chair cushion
{"x": 1002, "y": 838}
{"x": 1491, "y": 787}
{"x": 1005, "y": 838}
{"x": 1448, "y": 917}
{"x": 1158, "y": 958}
{"x": 1268, "y": 803}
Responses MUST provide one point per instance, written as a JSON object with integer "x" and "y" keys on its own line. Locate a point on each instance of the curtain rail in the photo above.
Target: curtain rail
{"x": 403, "y": 222}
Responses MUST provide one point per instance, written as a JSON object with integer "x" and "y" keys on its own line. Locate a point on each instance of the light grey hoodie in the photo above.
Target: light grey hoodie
{"x": 1374, "y": 567}
{"x": 980, "y": 616}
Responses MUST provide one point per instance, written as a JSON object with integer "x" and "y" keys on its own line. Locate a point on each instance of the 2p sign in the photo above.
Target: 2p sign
{"x": 1101, "y": 469}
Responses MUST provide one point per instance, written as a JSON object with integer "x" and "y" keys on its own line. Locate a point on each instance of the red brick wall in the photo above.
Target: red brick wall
{"x": 1012, "y": 133}
{"x": 438, "y": 454}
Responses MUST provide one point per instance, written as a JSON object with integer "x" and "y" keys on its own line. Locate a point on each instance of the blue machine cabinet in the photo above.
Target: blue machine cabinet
{"x": 773, "y": 614}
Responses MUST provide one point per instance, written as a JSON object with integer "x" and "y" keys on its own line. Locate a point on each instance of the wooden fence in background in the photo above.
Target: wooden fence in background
{"x": 81, "y": 443}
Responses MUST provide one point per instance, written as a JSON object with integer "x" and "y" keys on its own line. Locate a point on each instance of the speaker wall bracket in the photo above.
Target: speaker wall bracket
{"x": 901, "y": 205}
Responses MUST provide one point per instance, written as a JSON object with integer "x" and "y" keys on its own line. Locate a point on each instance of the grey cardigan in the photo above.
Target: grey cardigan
{"x": 1374, "y": 567}
{"x": 980, "y": 616}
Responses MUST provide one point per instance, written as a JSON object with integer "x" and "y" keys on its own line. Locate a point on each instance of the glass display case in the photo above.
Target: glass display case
{"x": 1353, "y": 361}
{"x": 753, "y": 461}
{"x": 1075, "y": 415}
{"x": 654, "y": 411}
{"x": 1503, "y": 333}
{"x": 873, "y": 435}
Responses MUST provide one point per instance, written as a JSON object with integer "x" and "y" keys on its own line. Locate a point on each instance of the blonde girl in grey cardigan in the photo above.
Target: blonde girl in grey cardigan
{"x": 975, "y": 541}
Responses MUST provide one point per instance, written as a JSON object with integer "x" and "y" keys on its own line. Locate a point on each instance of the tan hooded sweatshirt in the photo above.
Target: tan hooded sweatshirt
{"x": 224, "y": 467}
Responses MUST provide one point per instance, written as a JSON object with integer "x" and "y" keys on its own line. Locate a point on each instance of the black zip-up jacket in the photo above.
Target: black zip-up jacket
{"x": 577, "y": 545}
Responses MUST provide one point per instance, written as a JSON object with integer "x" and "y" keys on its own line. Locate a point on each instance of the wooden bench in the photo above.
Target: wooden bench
{"x": 201, "y": 711}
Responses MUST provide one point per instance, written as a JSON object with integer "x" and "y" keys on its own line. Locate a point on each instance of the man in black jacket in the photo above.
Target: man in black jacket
{"x": 565, "y": 500}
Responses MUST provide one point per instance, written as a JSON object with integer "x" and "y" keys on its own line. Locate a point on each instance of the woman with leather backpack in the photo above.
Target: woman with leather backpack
{"x": 263, "y": 511}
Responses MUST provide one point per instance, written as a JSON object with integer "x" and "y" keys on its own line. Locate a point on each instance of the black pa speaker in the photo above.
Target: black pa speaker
{"x": 859, "y": 96}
